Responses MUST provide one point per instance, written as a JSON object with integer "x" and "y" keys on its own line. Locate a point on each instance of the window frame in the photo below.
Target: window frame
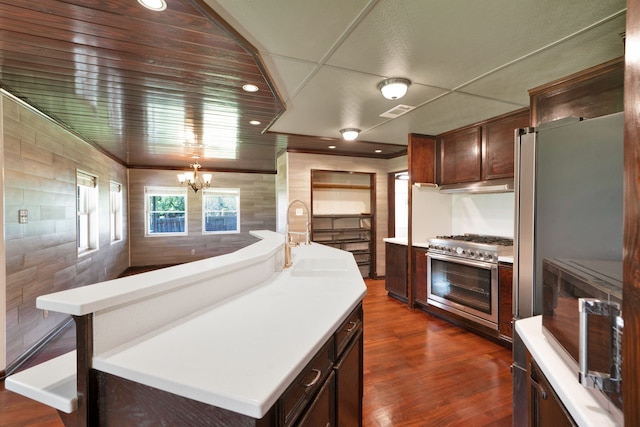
{"x": 115, "y": 212}
{"x": 150, "y": 191}
{"x": 87, "y": 198}
{"x": 208, "y": 192}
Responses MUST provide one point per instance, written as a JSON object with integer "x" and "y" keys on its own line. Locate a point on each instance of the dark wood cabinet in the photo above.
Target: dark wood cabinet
{"x": 321, "y": 412}
{"x": 499, "y": 135}
{"x": 420, "y": 275}
{"x": 505, "y": 301}
{"x": 482, "y": 151}
{"x": 460, "y": 155}
{"x": 544, "y": 407}
{"x": 396, "y": 270}
{"x": 594, "y": 92}
{"x": 349, "y": 384}
{"x": 422, "y": 158}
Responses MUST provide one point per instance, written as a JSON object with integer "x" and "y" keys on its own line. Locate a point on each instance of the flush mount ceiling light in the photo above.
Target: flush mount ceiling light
{"x": 349, "y": 134}
{"x": 191, "y": 178}
{"x": 394, "y": 88}
{"x": 157, "y": 5}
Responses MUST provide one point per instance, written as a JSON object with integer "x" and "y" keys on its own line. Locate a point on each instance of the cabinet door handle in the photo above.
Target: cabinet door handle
{"x": 353, "y": 326}
{"x": 543, "y": 393}
{"x": 315, "y": 380}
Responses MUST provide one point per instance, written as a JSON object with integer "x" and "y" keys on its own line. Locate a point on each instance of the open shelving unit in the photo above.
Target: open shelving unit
{"x": 342, "y": 215}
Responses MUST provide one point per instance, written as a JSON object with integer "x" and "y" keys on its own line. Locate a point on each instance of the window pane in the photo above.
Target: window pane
{"x": 221, "y": 210}
{"x": 163, "y": 222}
{"x": 167, "y": 203}
{"x": 166, "y": 210}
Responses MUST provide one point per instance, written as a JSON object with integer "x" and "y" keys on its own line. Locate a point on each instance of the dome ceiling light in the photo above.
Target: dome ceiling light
{"x": 349, "y": 134}
{"x": 394, "y": 88}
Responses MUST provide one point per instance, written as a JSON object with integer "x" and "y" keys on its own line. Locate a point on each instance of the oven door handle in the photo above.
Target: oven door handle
{"x": 474, "y": 263}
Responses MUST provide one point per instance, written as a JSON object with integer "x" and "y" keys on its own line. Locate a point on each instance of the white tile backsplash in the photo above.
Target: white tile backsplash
{"x": 490, "y": 214}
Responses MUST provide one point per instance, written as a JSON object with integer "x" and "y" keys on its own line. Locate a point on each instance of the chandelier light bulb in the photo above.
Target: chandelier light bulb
{"x": 192, "y": 180}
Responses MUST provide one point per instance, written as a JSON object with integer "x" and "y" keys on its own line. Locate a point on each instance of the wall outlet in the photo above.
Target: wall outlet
{"x": 23, "y": 216}
{"x": 299, "y": 212}
{"x": 193, "y": 251}
{"x": 45, "y": 314}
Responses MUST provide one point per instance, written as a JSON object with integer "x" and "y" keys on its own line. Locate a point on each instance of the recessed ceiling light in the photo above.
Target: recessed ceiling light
{"x": 255, "y": 122}
{"x": 250, "y": 88}
{"x": 332, "y": 147}
{"x": 157, "y": 5}
{"x": 378, "y": 151}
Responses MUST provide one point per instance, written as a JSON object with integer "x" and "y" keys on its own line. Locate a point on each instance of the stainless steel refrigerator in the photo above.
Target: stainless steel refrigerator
{"x": 569, "y": 201}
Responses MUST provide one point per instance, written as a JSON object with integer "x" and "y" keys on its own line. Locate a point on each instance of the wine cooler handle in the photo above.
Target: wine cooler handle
{"x": 600, "y": 380}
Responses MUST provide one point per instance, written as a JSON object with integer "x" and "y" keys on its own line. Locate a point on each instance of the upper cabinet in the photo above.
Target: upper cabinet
{"x": 596, "y": 91}
{"x": 497, "y": 160}
{"x": 460, "y": 155}
{"x": 422, "y": 158}
{"x": 482, "y": 151}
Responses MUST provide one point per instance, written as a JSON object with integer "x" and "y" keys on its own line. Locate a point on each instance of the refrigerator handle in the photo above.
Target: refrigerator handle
{"x": 523, "y": 298}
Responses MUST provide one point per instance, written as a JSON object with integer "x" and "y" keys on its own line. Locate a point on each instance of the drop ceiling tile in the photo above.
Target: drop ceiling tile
{"x": 513, "y": 82}
{"x": 335, "y": 99}
{"x": 448, "y": 112}
{"x": 447, "y": 44}
{"x": 298, "y": 29}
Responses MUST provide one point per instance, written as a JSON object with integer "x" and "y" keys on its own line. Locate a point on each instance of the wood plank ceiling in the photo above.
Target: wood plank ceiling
{"x": 150, "y": 89}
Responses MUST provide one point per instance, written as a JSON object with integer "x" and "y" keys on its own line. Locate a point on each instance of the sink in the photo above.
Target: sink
{"x": 320, "y": 267}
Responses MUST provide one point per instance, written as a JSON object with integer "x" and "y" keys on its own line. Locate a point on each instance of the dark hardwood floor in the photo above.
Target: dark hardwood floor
{"x": 418, "y": 371}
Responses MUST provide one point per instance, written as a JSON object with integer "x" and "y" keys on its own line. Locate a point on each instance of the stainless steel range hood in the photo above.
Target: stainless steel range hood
{"x": 479, "y": 187}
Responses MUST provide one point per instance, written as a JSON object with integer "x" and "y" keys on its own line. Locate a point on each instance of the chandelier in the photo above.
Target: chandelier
{"x": 191, "y": 178}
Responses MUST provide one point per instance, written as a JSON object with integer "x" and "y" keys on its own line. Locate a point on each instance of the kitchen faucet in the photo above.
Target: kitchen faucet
{"x": 289, "y": 241}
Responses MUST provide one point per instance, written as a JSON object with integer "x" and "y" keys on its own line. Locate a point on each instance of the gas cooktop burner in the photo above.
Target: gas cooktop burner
{"x": 473, "y": 246}
{"x": 479, "y": 238}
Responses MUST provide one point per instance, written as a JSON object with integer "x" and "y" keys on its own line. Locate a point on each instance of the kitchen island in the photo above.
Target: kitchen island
{"x": 233, "y": 339}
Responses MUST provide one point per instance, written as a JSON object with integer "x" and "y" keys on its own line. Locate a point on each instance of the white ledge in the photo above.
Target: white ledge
{"x": 52, "y": 383}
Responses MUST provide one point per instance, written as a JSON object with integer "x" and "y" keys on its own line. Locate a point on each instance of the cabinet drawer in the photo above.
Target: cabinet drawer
{"x": 347, "y": 330}
{"x": 305, "y": 386}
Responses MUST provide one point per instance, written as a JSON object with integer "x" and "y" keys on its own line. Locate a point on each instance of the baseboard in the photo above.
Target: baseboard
{"x": 34, "y": 349}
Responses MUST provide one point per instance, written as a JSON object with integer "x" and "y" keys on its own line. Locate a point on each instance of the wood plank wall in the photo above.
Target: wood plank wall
{"x": 257, "y": 212}
{"x": 299, "y": 167}
{"x": 40, "y": 161}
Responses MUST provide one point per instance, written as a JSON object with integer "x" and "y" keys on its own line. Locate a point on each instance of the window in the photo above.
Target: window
{"x": 221, "y": 210}
{"x": 115, "y": 211}
{"x": 166, "y": 211}
{"x": 87, "y": 208}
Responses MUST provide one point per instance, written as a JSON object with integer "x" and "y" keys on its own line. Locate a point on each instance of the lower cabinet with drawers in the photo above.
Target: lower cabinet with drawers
{"x": 328, "y": 391}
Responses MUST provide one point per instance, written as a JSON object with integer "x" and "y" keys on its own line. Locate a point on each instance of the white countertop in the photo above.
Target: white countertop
{"x": 578, "y": 400}
{"x": 508, "y": 259}
{"x": 239, "y": 353}
{"x": 396, "y": 240}
{"x": 404, "y": 241}
{"x": 243, "y": 354}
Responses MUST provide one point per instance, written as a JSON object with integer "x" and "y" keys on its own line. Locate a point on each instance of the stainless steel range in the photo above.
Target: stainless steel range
{"x": 462, "y": 275}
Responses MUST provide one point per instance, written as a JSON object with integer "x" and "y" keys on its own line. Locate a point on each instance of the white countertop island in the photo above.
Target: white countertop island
{"x": 242, "y": 346}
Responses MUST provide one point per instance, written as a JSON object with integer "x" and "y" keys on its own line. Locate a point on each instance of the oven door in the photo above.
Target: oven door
{"x": 466, "y": 287}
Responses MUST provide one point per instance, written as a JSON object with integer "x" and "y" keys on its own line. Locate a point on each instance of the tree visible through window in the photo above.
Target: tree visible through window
{"x": 166, "y": 211}
{"x": 221, "y": 210}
